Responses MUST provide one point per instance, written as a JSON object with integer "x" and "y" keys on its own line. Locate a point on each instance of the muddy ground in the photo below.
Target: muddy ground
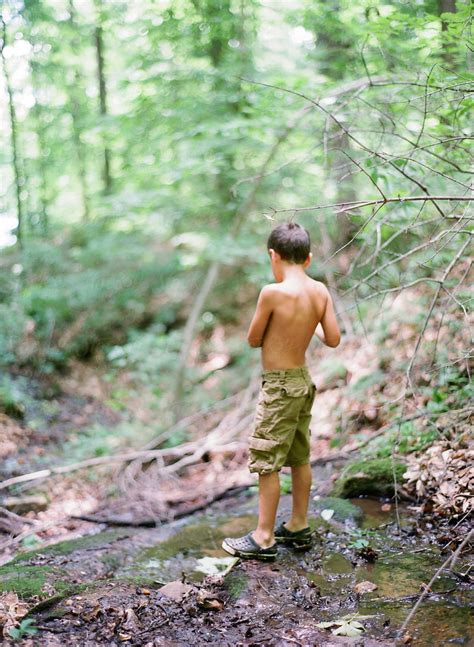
{"x": 107, "y": 588}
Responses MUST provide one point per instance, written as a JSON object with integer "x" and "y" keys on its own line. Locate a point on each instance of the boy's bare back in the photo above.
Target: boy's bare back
{"x": 286, "y": 318}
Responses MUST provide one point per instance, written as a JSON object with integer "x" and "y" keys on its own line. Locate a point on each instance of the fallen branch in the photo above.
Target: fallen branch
{"x": 152, "y": 522}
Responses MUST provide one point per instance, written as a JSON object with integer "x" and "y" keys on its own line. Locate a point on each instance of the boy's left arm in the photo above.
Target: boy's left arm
{"x": 261, "y": 318}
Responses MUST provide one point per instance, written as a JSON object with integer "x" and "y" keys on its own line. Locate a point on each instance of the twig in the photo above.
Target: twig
{"x": 358, "y": 204}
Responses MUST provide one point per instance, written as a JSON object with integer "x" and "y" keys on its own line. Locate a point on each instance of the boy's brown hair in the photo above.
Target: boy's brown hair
{"x": 291, "y": 242}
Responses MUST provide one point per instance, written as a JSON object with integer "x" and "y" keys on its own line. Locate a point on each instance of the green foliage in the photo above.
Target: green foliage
{"x": 97, "y": 441}
{"x": 196, "y": 153}
{"x": 11, "y": 397}
{"x": 13, "y": 320}
{"x": 30, "y": 541}
{"x": 25, "y": 628}
{"x": 361, "y": 538}
{"x": 359, "y": 388}
{"x": 285, "y": 484}
{"x": 80, "y": 298}
{"x": 409, "y": 438}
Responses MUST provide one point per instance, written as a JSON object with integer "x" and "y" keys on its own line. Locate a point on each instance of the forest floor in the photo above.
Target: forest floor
{"x": 83, "y": 583}
{"x": 174, "y": 585}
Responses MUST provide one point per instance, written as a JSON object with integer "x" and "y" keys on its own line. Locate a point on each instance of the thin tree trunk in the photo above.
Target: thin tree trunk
{"x": 76, "y": 127}
{"x": 39, "y": 130}
{"x": 42, "y": 172}
{"x": 339, "y": 168}
{"x": 14, "y": 140}
{"x": 99, "y": 48}
{"x": 446, "y": 6}
{"x": 81, "y": 162}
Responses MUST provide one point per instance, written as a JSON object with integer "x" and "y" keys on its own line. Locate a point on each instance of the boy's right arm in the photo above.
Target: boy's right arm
{"x": 327, "y": 329}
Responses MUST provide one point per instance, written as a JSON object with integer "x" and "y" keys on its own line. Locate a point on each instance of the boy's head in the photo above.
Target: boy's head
{"x": 291, "y": 242}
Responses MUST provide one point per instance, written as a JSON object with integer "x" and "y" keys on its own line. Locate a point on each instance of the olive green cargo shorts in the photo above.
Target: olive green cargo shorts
{"x": 281, "y": 429}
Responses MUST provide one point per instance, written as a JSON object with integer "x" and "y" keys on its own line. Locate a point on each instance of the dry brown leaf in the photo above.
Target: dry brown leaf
{"x": 175, "y": 590}
{"x": 365, "y": 587}
{"x": 132, "y": 622}
{"x": 123, "y": 637}
{"x": 207, "y": 600}
{"x": 11, "y": 610}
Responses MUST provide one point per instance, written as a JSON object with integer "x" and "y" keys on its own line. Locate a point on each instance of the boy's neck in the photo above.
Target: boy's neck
{"x": 292, "y": 271}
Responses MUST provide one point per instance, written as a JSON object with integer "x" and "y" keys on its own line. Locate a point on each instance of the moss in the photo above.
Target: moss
{"x": 235, "y": 584}
{"x": 343, "y": 510}
{"x": 374, "y": 477}
{"x": 196, "y": 539}
{"x": 30, "y": 580}
{"x": 70, "y": 546}
{"x": 111, "y": 560}
{"x": 188, "y": 541}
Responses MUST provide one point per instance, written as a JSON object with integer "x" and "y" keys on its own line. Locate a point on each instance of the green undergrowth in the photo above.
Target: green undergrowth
{"x": 99, "y": 440}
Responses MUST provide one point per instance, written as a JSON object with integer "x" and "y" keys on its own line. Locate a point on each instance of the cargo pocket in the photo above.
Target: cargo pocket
{"x": 262, "y": 455}
{"x": 261, "y": 444}
{"x": 296, "y": 391}
{"x": 271, "y": 393}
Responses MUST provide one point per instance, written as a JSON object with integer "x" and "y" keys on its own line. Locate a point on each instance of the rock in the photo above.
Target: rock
{"x": 374, "y": 477}
{"x": 175, "y": 590}
{"x": 343, "y": 510}
{"x": 365, "y": 587}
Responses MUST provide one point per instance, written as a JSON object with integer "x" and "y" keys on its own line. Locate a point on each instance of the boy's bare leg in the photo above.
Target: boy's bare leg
{"x": 301, "y": 478}
{"x": 268, "y": 499}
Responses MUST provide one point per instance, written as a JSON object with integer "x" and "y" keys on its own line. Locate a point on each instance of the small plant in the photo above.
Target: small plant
{"x": 30, "y": 541}
{"x": 360, "y": 538}
{"x": 346, "y": 626}
{"x": 25, "y": 628}
{"x": 285, "y": 484}
{"x": 361, "y": 544}
{"x": 358, "y": 544}
{"x": 11, "y": 398}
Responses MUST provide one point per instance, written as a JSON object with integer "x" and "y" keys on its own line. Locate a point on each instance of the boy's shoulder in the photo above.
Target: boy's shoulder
{"x": 275, "y": 289}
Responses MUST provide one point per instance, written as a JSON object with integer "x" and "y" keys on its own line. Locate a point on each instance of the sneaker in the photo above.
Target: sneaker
{"x": 247, "y": 548}
{"x": 298, "y": 539}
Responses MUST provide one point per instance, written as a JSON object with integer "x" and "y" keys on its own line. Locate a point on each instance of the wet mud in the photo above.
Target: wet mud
{"x": 105, "y": 589}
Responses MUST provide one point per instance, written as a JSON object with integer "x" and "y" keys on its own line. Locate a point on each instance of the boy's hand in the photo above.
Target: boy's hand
{"x": 259, "y": 323}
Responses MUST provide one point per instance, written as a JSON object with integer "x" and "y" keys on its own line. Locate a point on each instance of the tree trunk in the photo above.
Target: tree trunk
{"x": 76, "y": 126}
{"x": 99, "y": 48}
{"x": 446, "y": 6}
{"x": 14, "y": 140}
{"x": 39, "y": 129}
{"x": 339, "y": 167}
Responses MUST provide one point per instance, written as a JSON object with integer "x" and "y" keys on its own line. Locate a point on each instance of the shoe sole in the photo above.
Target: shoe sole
{"x": 242, "y": 553}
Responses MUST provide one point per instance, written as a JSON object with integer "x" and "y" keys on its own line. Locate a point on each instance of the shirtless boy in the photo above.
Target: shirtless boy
{"x": 288, "y": 313}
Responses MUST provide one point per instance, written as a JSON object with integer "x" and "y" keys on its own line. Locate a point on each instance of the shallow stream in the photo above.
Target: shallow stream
{"x": 404, "y": 562}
